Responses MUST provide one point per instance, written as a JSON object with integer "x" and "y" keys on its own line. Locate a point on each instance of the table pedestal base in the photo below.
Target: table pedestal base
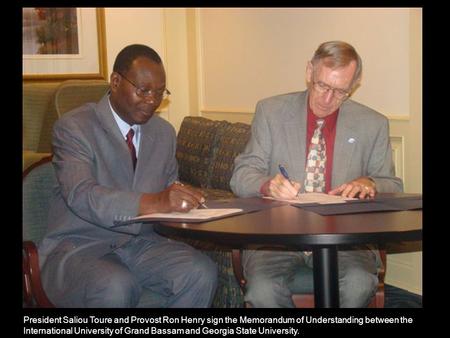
{"x": 326, "y": 282}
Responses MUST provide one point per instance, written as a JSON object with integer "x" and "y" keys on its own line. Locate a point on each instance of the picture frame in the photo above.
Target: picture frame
{"x": 89, "y": 61}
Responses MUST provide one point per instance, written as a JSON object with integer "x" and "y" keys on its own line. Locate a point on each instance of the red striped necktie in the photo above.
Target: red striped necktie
{"x": 130, "y": 144}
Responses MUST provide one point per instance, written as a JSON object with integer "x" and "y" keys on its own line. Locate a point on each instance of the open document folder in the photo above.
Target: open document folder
{"x": 324, "y": 204}
{"x": 216, "y": 209}
{"x": 315, "y": 198}
{"x": 193, "y": 216}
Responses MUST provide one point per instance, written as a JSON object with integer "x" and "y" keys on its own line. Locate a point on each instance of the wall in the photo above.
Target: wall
{"x": 247, "y": 54}
{"x": 125, "y": 26}
{"x": 165, "y": 30}
{"x": 219, "y": 62}
{"x": 405, "y": 269}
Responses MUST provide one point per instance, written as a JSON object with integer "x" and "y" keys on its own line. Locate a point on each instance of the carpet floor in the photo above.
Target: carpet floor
{"x": 399, "y": 298}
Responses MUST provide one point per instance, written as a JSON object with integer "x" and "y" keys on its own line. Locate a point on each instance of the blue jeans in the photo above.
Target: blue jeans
{"x": 179, "y": 274}
{"x": 271, "y": 277}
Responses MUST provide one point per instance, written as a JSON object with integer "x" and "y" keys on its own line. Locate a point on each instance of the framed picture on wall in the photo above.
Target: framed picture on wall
{"x": 63, "y": 43}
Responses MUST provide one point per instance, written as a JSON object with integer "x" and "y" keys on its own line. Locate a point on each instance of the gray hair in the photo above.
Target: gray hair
{"x": 335, "y": 54}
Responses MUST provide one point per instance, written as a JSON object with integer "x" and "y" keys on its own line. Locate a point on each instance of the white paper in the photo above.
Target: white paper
{"x": 315, "y": 197}
{"x": 203, "y": 214}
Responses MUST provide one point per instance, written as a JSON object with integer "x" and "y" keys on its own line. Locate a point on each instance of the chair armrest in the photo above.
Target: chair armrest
{"x": 30, "y": 157}
{"x": 382, "y": 269}
{"x": 33, "y": 290}
{"x": 237, "y": 267}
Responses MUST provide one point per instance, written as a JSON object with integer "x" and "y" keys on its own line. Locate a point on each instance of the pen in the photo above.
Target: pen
{"x": 203, "y": 204}
{"x": 285, "y": 174}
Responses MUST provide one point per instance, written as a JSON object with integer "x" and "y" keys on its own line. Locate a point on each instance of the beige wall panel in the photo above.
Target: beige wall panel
{"x": 125, "y": 26}
{"x": 235, "y": 117}
{"x": 247, "y": 54}
{"x": 177, "y": 68}
{"x": 405, "y": 271}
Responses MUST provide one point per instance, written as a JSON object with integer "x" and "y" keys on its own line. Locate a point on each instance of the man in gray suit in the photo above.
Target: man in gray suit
{"x": 115, "y": 160}
{"x": 355, "y": 161}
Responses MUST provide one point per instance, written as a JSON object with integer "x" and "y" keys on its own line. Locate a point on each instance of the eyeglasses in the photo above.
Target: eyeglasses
{"x": 323, "y": 88}
{"x": 144, "y": 93}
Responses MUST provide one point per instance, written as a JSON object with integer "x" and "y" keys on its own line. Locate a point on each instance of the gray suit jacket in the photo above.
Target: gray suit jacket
{"x": 362, "y": 146}
{"x": 97, "y": 184}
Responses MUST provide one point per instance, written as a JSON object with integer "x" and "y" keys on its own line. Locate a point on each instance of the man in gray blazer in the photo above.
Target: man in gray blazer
{"x": 355, "y": 161}
{"x": 115, "y": 160}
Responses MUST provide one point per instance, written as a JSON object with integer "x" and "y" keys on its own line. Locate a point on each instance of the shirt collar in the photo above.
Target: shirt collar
{"x": 330, "y": 120}
{"x": 123, "y": 126}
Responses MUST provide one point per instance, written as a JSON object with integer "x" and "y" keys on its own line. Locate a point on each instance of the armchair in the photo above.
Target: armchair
{"x": 44, "y": 103}
{"x": 37, "y": 184}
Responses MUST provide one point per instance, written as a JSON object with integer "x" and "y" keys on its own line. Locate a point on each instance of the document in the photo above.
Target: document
{"x": 315, "y": 198}
{"x": 382, "y": 202}
{"x": 194, "y": 216}
{"x": 202, "y": 214}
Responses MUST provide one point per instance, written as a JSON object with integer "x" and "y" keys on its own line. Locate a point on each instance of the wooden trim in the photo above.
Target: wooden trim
{"x": 33, "y": 288}
{"x": 250, "y": 111}
{"x": 226, "y": 111}
{"x": 34, "y": 294}
{"x": 102, "y": 51}
{"x": 36, "y": 164}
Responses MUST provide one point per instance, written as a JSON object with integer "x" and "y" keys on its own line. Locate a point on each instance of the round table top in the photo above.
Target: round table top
{"x": 289, "y": 225}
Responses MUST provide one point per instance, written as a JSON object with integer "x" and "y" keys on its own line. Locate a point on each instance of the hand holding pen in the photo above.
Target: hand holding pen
{"x": 281, "y": 186}
{"x": 177, "y": 197}
{"x": 184, "y": 203}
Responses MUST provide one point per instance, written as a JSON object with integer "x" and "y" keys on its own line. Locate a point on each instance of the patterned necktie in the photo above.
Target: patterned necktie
{"x": 315, "y": 164}
{"x": 131, "y": 147}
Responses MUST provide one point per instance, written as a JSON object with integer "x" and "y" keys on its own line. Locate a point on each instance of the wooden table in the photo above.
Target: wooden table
{"x": 304, "y": 230}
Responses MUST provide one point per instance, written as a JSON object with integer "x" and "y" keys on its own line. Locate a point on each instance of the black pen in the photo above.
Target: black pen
{"x": 285, "y": 174}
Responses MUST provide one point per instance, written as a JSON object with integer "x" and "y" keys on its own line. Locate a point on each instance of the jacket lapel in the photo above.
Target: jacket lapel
{"x": 295, "y": 132}
{"x": 118, "y": 152}
{"x": 147, "y": 140}
{"x": 344, "y": 145}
